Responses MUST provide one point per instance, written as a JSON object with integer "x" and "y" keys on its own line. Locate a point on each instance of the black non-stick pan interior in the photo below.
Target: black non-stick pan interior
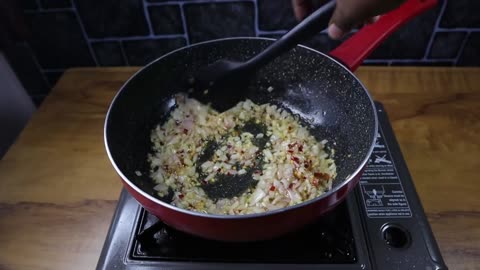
{"x": 325, "y": 94}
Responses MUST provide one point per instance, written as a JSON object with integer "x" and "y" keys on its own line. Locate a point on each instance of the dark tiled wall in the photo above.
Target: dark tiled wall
{"x": 72, "y": 33}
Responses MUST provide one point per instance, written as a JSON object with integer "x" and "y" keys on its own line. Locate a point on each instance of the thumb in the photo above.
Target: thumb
{"x": 344, "y": 18}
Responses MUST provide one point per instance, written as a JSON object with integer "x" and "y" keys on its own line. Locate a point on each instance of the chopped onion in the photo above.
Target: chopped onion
{"x": 161, "y": 187}
{"x": 209, "y": 177}
{"x": 285, "y": 174}
{"x": 256, "y": 196}
{"x": 206, "y": 166}
{"x": 158, "y": 176}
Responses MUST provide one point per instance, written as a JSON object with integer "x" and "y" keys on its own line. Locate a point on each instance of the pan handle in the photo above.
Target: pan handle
{"x": 353, "y": 51}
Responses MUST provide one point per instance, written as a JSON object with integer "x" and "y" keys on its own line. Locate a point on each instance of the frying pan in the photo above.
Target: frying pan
{"x": 306, "y": 82}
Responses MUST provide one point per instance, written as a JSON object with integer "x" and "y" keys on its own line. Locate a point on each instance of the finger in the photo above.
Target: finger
{"x": 318, "y": 3}
{"x": 346, "y": 16}
{"x": 372, "y": 20}
{"x": 301, "y": 8}
{"x": 335, "y": 32}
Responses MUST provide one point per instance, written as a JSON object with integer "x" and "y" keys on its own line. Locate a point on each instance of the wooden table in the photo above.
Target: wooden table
{"x": 58, "y": 190}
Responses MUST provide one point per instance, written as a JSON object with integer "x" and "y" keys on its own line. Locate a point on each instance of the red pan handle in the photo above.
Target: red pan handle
{"x": 353, "y": 51}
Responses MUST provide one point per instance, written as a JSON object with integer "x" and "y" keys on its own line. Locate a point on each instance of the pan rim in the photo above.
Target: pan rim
{"x": 246, "y": 216}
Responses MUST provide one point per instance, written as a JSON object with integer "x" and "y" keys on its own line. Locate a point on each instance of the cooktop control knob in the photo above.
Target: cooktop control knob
{"x": 395, "y": 235}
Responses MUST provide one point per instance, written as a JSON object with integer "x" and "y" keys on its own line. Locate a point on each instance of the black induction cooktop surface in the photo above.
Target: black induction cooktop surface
{"x": 330, "y": 240}
{"x": 381, "y": 225}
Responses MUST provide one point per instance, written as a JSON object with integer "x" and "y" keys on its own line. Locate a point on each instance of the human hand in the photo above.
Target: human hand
{"x": 348, "y": 13}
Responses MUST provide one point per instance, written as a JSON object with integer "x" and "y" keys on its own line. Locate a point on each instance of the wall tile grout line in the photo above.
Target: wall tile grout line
{"x": 51, "y": 10}
{"x": 38, "y": 96}
{"x": 53, "y": 70}
{"x": 39, "y": 4}
{"x": 462, "y": 46}
{"x": 84, "y": 33}
{"x": 435, "y": 28}
{"x": 184, "y": 22}
{"x": 136, "y": 38}
{"x": 255, "y": 18}
{"x": 38, "y": 66}
{"x": 459, "y": 29}
{"x": 122, "y": 51}
{"x": 165, "y": 3}
{"x": 375, "y": 61}
{"x": 147, "y": 18}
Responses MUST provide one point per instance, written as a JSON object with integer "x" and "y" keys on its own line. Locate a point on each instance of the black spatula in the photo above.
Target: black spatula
{"x": 223, "y": 82}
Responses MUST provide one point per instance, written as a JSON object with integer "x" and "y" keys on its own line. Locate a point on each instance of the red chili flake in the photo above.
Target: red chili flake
{"x": 204, "y": 181}
{"x": 315, "y": 182}
{"x": 290, "y": 151}
{"x": 300, "y": 148}
{"x": 322, "y": 176}
{"x": 290, "y": 186}
{"x": 229, "y": 174}
{"x": 295, "y": 159}
{"x": 256, "y": 172}
{"x": 185, "y": 131}
{"x": 305, "y": 165}
{"x": 180, "y": 196}
{"x": 272, "y": 188}
{"x": 290, "y": 145}
{"x": 229, "y": 146}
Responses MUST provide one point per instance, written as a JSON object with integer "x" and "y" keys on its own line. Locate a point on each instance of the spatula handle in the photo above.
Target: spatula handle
{"x": 301, "y": 32}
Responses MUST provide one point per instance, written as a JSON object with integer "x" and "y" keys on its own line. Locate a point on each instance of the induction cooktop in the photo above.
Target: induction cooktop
{"x": 381, "y": 225}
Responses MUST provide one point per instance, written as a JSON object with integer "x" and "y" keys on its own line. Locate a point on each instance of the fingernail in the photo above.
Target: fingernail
{"x": 335, "y": 32}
